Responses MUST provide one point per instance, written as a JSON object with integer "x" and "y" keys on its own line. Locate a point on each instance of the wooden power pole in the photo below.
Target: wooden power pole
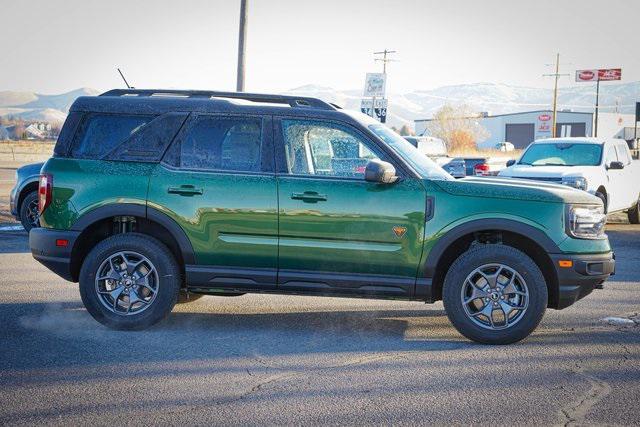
{"x": 242, "y": 44}
{"x": 556, "y": 75}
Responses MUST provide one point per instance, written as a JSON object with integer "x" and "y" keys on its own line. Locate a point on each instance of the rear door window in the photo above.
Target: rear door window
{"x": 223, "y": 143}
{"x": 99, "y": 134}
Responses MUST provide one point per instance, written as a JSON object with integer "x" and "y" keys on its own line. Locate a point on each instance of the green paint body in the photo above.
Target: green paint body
{"x": 251, "y": 220}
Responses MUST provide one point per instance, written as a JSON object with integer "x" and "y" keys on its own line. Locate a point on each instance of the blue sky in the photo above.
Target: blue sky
{"x": 53, "y": 46}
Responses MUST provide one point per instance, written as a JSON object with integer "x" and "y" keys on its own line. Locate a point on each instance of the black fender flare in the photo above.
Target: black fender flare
{"x": 139, "y": 210}
{"x": 496, "y": 224}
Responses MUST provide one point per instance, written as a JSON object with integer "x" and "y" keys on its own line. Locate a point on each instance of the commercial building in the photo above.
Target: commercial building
{"x": 521, "y": 129}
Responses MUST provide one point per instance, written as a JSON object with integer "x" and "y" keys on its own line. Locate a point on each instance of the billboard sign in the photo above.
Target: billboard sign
{"x": 375, "y": 85}
{"x": 603, "y": 74}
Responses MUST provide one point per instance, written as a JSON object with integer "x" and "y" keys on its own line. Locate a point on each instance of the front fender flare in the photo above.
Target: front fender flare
{"x": 497, "y": 224}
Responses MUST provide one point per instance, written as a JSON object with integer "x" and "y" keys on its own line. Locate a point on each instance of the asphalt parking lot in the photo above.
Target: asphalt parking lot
{"x": 260, "y": 359}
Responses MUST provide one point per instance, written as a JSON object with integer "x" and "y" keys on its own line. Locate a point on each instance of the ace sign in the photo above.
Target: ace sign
{"x": 601, "y": 75}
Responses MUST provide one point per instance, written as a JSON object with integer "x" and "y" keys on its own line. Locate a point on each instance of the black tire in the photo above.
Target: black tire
{"x": 167, "y": 287}
{"x": 482, "y": 255}
{"x": 634, "y": 213}
{"x": 26, "y": 211}
{"x": 602, "y": 197}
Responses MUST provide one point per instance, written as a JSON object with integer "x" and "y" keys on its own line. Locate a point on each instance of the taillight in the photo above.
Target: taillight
{"x": 45, "y": 188}
{"x": 481, "y": 169}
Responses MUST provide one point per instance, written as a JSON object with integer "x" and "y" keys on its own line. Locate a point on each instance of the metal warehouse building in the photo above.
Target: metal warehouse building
{"x": 521, "y": 129}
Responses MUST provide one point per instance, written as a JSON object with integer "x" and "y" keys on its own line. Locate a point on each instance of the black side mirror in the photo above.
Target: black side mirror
{"x": 381, "y": 172}
{"x": 616, "y": 165}
{"x": 511, "y": 162}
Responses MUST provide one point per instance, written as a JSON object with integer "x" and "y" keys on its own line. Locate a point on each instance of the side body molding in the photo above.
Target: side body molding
{"x": 139, "y": 210}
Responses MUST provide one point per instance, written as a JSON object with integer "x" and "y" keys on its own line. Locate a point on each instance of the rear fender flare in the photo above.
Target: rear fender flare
{"x": 132, "y": 209}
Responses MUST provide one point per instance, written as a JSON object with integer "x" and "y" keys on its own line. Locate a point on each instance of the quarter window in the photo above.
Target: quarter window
{"x": 319, "y": 148}
{"x": 101, "y": 133}
{"x": 222, "y": 143}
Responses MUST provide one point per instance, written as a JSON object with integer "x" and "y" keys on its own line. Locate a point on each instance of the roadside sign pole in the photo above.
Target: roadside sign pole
{"x": 595, "y": 132}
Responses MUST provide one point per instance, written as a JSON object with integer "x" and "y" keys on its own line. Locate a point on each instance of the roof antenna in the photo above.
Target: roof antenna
{"x": 125, "y": 80}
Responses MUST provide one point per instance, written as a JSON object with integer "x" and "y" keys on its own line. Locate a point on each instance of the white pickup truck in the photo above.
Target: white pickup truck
{"x": 603, "y": 167}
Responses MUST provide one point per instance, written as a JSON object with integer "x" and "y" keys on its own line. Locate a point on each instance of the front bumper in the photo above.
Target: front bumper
{"x": 45, "y": 248}
{"x": 587, "y": 272}
{"x": 13, "y": 201}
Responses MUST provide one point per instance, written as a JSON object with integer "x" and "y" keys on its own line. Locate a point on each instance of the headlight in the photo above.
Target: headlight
{"x": 578, "y": 182}
{"x": 585, "y": 222}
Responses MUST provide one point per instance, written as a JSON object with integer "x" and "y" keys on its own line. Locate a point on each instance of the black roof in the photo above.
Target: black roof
{"x": 160, "y": 101}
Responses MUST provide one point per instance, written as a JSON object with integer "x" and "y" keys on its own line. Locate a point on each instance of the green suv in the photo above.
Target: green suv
{"x": 155, "y": 197}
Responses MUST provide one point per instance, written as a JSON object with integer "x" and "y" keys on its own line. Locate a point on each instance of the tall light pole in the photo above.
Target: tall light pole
{"x": 242, "y": 44}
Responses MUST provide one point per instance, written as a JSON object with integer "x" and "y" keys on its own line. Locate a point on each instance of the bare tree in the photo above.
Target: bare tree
{"x": 405, "y": 130}
{"x": 458, "y": 126}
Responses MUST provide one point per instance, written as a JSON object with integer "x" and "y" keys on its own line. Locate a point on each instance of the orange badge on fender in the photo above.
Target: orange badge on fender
{"x": 399, "y": 231}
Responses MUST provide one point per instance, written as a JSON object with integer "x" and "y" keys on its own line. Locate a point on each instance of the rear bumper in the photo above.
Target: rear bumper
{"x": 45, "y": 249}
{"x": 579, "y": 280}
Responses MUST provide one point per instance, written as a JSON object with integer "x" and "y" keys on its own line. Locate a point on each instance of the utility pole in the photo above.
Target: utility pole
{"x": 384, "y": 59}
{"x": 595, "y": 131}
{"x": 556, "y": 76}
{"x": 242, "y": 44}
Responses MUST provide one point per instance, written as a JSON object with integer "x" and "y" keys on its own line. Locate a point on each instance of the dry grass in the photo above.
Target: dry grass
{"x": 25, "y": 151}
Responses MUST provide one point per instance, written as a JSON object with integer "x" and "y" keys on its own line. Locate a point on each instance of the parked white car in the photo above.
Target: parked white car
{"x": 603, "y": 167}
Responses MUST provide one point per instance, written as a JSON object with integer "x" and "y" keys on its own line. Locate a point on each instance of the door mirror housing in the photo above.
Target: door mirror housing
{"x": 616, "y": 165}
{"x": 511, "y": 162}
{"x": 380, "y": 172}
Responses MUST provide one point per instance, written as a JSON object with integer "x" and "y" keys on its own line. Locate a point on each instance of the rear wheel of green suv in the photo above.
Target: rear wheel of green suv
{"x": 129, "y": 281}
{"x": 495, "y": 294}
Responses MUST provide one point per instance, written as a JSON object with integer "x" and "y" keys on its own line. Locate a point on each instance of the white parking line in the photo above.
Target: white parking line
{"x": 12, "y": 228}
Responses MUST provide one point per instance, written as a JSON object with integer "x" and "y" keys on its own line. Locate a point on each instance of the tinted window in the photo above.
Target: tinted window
{"x": 318, "y": 148}
{"x": 562, "y": 154}
{"x": 222, "y": 143}
{"x": 101, "y": 133}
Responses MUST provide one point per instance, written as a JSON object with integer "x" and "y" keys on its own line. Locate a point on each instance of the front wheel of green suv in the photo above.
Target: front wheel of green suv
{"x": 495, "y": 294}
{"x": 129, "y": 281}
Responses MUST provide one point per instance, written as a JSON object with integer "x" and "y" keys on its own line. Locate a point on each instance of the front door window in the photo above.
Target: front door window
{"x": 322, "y": 149}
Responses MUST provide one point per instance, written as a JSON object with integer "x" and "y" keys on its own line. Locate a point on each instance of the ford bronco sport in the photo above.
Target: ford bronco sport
{"x": 153, "y": 196}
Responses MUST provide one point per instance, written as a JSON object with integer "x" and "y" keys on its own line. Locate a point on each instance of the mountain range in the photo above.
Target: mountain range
{"x": 403, "y": 108}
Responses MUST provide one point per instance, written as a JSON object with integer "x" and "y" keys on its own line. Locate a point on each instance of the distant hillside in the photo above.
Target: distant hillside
{"x": 37, "y": 107}
{"x": 488, "y": 97}
{"x": 404, "y": 108}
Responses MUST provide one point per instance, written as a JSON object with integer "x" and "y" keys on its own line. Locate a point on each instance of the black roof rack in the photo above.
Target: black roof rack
{"x": 293, "y": 101}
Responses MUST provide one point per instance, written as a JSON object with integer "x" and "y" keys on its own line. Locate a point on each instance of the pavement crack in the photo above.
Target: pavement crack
{"x": 575, "y": 412}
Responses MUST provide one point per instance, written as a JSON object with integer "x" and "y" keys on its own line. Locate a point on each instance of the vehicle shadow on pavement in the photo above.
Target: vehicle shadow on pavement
{"x": 14, "y": 242}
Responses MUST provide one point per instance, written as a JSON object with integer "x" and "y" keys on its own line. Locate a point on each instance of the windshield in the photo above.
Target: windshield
{"x": 418, "y": 161}
{"x": 562, "y": 154}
